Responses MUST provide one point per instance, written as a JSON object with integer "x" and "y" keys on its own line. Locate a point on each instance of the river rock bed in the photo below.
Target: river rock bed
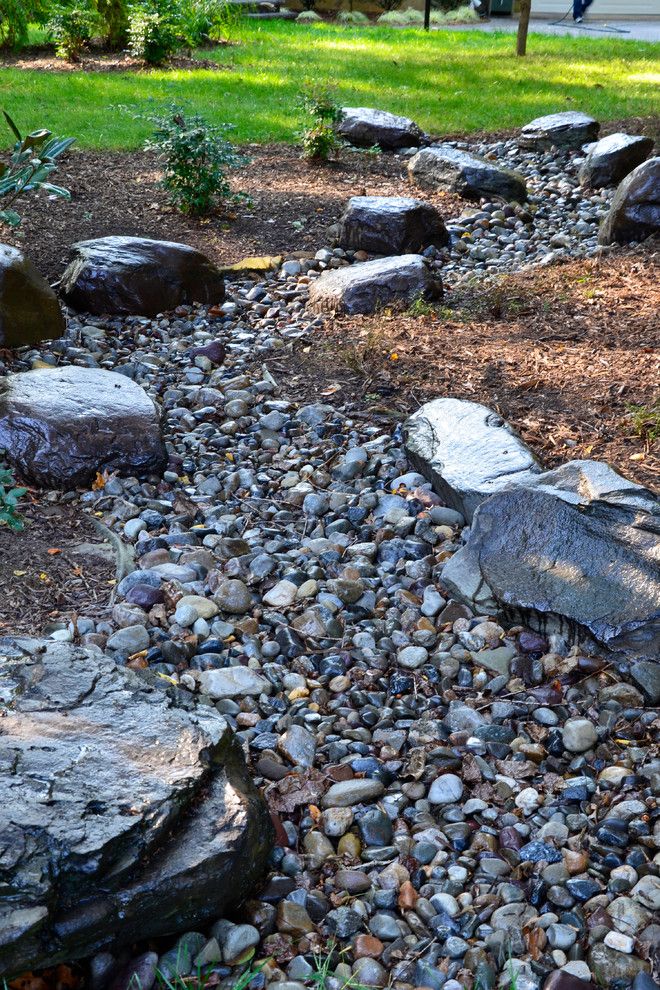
{"x": 455, "y": 801}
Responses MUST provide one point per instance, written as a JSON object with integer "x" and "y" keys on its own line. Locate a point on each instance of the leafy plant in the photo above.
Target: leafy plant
{"x": 33, "y": 159}
{"x": 196, "y": 156}
{"x": 646, "y": 421}
{"x": 320, "y": 138}
{"x": 352, "y": 17}
{"x": 114, "y": 14}
{"x": 205, "y": 21}
{"x": 9, "y": 498}
{"x": 71, "y": 28}
{"x": 15, "y": 19}
{"x": 155, "y": 30}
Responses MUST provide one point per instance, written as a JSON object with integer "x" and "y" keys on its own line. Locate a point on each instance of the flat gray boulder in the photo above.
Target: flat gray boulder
{"x": 613, "y": 158}
{"x": 369, "y": 286}
{"x": 444, "y": 167}
{"x": 138, "y": 276}
{"x": 29, "y": 310}
{"x": 635, "y": 211}
{"x": 391, "y": 225}
{"x": 569, "y": 129}
{"x": 467, "y": 452}
{"x": 575, "y": 551}
{"x": 61, "y": 426}
{"x": 365, "y": 127}
{"x": 122, "y": 812}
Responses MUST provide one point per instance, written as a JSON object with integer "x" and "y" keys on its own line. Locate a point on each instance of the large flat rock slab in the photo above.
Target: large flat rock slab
{"x": 138, "y": 276}
{"x": 453, "y": 170}
{"x": 391, "y": 225}
{"x": 635, "y": 211}
{"x": 61, "y": 426}
{"x": 366, "y": 287}
{"x": 29, "y": 310}
{"x": 365, "y": 127}
{"x": 576, "y": 551}
{"x": 569, "y": 129}
{"x": 122, "y": 813}
{"x": 613, "y": 158}
{"x": 467, "y": 451}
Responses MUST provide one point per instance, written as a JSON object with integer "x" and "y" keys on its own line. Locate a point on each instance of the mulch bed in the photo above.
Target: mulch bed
{"x": 561, "y": 352}
{"x": 43, "y": 59}
{"x": 56, "y": 568}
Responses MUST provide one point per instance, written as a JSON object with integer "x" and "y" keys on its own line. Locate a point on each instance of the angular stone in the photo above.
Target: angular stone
{"x": 612, "y": 158}
{"x": 391, "y": 225}
{"x": 61, "y": 426}
{"x": 138, "y": 276}
{"x": 569, "y": 129}
{"x": 121, "y": 811}
{"x": 635, "y": 210}
{"x": 576, "y": 553}
{"x": 29, "y": 310}
{"x": 365, "y": 127}
{"x": 364, "y": 288}
{"x": 233, "y": 682}
{"x": 609, "y": 966}
{"x": 466, "y": 451}
{"x": 646, "y": 673}
{"x": 444, "y": 167}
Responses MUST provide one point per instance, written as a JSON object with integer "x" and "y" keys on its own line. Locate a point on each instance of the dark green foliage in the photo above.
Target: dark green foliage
{"x": 204, "y": 21}
{"x": 71, "y": 28}
{"x": 114, "y": 14}
{"x": 15, "y": 17}
{"x": 154, "y": 30}
{"x": 32, "y": 160}
{"x": 9, "y": 498}
{"x": 196, "y": 156}
{"x": 319, "y": 138}
{"x": 389, "y": 5}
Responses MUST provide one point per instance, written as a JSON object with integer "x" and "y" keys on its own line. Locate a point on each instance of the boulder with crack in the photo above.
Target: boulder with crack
{"x": 391, "y": 225}
{"x": 61, "y": 426}
{"x": 568, "y": 129}
{"x": 29, "y": 310}
{"x": 635, "y": 211}
{"x": 122, "y": 810}
{"x": 444, "y": 167}
{"x": 366, "y": 287}
{"x": 138, "y": 276}
{"x": 365, "y": 127}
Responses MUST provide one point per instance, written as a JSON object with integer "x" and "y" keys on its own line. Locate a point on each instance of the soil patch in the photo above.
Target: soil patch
{"x": 561, "y": 352}
{"x": 56, "y": 568}
{"x": 44, "y": 60}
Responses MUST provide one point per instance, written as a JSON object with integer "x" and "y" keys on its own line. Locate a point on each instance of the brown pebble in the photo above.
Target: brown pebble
{"x": 408, "y": 896}
{"x": 367, "y": 947}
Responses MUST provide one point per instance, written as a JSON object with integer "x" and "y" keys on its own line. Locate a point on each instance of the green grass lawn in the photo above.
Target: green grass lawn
{"x": 448, "y": 81}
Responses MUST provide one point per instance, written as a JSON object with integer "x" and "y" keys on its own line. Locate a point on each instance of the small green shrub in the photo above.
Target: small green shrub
{"x": 464, "y": 14}
{"x": 204, "y": 21}
{"x": 646, "y": 421}
{"x": 155, "y": 30}
{"x": 195, "y": 156}
{"x": 403, "y": 18}
{"x": 309, "y": 17}
{"x": 71, "y": 28}
{"x": 9, "y": 498}
{"x": 33, "y": 159}
{"x": 352, "y": 17}
{"x": 319, "y": 139}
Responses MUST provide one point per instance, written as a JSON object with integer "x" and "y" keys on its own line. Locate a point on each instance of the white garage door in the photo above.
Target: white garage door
{"x": 612, "y": 9}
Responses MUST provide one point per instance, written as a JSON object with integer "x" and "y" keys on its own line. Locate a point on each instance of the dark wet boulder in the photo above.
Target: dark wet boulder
{"x": 138, "y": 276}
{"x": 444, "y": 167}
{"x": 123, "y": 811}
{"x": 574, "y": 551}
{"x": 569, "y": 129}
{"x": 365, "y": 127}
{"x": 467, "y": 451}
{"x": 61, "y": 426}
{"x": 29, "y": 310}
{"x": 613, "y": 158}
{"x": 364, "y": 288}
{"x": 635, "y": 211}
{"x": 391, "y": 225}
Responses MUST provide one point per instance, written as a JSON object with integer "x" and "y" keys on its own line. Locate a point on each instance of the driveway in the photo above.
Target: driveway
{"x": 593, "y": 27}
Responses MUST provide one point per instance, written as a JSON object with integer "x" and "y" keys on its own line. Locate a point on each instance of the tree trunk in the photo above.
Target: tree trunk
{"x": 523, "y": 26}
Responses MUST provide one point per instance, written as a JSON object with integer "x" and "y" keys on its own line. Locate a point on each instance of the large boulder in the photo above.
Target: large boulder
{"x": 574, "y": 551}
{"x": 445, "y": 167}
{"x": 366, "y": 287}
{"x": 467, "y": 452}
{"x": 635, "y": 210}
{"x": 61, "y": 426}
{"x": 138, "y": 276}
{"x": 612, "y": 158}
{"x": 365, "y": 127}
{"x": 391, "y": 225}
{"x": 29, "y": 310}
{"x": 569, "y": 129}
{"x": 123, "y": 813}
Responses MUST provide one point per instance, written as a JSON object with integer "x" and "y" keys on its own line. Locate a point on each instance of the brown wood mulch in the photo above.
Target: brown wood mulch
{"x": 43, "y": 59}
{"x": 55, "y": 569}
{"x": 561, "y": 352}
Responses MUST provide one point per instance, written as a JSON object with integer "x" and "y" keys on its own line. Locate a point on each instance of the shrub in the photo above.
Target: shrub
{"x": 309, "y": 17}
{"x": 114, "y": 14}
{"x": 208, "y": 20}
{"x": 352, "y": 17}
{"x": 154, "y": 30}
{"x": 33, "y": 159}
{"x": 320, "y": 139}
{"x": 196, "y": 156}
{"x": 405, "y": 18}
{"x": 71, "y": 28}
{"x": 9, "y": 498}
{"x": 459, "y": 15}
{"x": 15, "y": 18}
